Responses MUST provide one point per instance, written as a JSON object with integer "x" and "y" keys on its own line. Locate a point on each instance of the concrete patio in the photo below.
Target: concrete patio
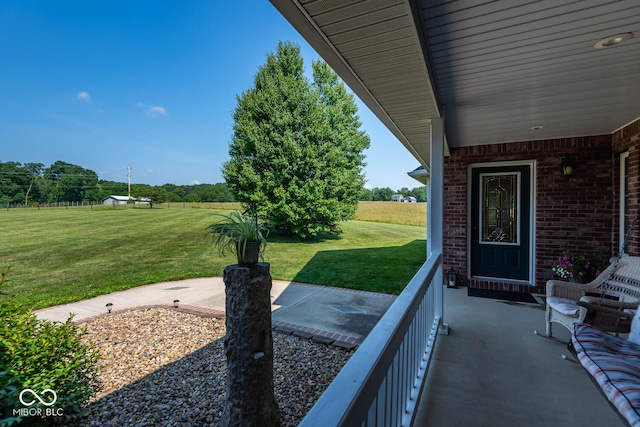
{"x": 493, "y": 371}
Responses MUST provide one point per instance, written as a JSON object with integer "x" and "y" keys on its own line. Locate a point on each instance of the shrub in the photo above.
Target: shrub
{"x": 38, "y": 355}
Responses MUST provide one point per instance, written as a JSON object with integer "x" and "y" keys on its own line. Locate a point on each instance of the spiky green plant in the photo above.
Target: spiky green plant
{"x": 234, "y": 231}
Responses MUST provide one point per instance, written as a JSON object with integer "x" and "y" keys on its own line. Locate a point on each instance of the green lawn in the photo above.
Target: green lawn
{"x": 60, "y": 255}
{"x": 393, "y": 213}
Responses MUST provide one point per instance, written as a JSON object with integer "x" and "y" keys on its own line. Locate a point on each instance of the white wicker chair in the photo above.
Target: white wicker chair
{"x": 617, "y": 287}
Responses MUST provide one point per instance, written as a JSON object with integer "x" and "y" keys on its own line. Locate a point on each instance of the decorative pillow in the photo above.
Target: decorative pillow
{"x": 565, "y": 306}
{"x": 634, "y": 335}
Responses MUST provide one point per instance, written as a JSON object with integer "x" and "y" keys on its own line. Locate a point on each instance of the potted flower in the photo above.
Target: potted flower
{"x": 240, "y": 234}
{"x": 575, "y": 268}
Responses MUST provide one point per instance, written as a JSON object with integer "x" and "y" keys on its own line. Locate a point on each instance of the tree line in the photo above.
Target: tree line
{"x": 385, "y": 194}
{"x": 33, "y": 183}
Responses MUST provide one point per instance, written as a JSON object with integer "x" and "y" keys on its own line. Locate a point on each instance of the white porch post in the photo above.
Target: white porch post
{"x": 435, "y": 211}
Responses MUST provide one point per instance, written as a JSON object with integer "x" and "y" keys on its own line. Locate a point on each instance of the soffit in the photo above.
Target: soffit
{"x": 502, "y": 67}
{"x": 494, "y": 69}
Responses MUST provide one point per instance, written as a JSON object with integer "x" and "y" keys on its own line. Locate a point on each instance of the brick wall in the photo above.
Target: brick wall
{"x": 575, "y": 214}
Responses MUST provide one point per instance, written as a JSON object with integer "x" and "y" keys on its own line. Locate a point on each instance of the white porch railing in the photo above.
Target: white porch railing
{"x": 381, "y": 383}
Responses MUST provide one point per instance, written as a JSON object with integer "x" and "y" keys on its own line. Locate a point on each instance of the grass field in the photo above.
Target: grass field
{"x": 60, "y": 255}
{"x": 387, "y": 212}
{"x": 393, "y": 213}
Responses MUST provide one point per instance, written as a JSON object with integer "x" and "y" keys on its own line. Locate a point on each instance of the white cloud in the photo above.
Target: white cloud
{"x": 156, "y": 111}
{"x": 149, "y": 171}
{"x": 195, "y": 182}
{"x": 83, "y": 96}
{"x": 153, "y": 111}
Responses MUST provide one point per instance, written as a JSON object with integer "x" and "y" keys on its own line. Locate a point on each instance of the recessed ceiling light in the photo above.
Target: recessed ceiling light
{"x": 612, "y": 40}
{"x": 537, "y": 127}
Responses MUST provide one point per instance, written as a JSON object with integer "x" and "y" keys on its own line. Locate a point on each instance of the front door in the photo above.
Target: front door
{"x": 501, "y": 222}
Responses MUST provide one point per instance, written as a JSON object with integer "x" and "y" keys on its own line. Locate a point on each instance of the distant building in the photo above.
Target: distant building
{"x": 410, "y": 199}
{"x": 116, "y": 200}
{"x": 143, "y": 201}
{"x": 397, "y": 198}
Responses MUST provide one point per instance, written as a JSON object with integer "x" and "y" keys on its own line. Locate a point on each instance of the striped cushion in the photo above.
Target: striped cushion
{"x": 615, "y": 365}
{"x": 566, "y": 306}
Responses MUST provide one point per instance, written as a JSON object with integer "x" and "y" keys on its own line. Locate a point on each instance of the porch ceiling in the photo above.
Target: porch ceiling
{"x": 493, "y": 69}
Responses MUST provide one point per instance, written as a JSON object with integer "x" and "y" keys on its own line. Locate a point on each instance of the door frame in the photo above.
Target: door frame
{"x": 623, "y": 203}
{"x": 532, "y": 226}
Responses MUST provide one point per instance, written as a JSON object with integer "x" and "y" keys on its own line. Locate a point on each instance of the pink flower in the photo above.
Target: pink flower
{"x": 571, "y": 266}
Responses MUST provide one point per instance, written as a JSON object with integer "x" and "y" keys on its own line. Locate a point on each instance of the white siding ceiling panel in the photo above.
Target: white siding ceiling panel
{"x": 498, "y": 67}
{"x": 502, "y": 67}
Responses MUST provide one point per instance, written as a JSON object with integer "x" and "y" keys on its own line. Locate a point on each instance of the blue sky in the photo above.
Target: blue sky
{"x": 151, "y": 84}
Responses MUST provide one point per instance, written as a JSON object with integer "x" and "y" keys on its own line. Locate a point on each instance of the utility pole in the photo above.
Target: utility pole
{"x": 129, "y": 178}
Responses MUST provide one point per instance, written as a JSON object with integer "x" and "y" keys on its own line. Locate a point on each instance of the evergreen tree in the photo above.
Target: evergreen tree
{"x": 296, "y": 151}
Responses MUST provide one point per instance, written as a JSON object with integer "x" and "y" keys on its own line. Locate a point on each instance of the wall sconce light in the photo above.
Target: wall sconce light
{"x": 567, "y": 167}
{"x": 109, "y": 306}
{"x": 175, "y": 303}
{"x": 452, "y": 278}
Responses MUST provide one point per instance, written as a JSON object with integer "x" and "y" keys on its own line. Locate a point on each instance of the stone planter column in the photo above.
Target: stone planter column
{"x": 248, "y": 346}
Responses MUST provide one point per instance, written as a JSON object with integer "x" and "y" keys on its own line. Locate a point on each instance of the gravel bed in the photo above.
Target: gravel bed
{"x": 163, "y": 367}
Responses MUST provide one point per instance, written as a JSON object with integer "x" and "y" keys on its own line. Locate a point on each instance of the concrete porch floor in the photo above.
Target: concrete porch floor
{"x": 493, "y": 371}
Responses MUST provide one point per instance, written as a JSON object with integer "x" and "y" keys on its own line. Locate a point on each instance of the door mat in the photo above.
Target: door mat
{"x": 503, "y": 295}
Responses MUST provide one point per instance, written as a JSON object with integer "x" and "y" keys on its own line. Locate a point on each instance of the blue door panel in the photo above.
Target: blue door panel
{"x": 497, "y": 259}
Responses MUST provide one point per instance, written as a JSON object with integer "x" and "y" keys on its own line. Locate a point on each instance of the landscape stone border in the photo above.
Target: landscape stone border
{"x": 316, "y": 335}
